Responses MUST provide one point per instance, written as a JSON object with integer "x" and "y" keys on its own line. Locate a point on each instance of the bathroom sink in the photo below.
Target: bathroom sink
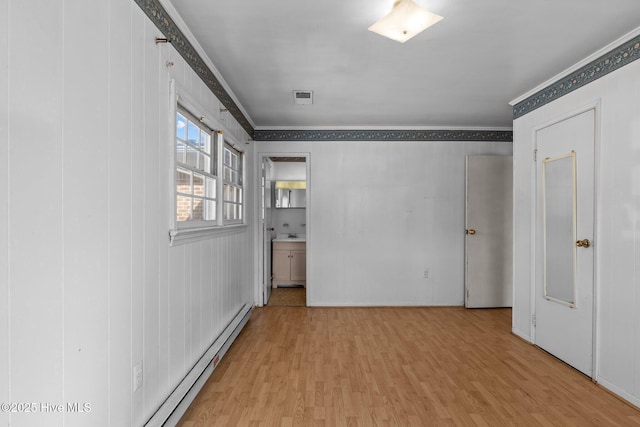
{"x": 290, "y": 238}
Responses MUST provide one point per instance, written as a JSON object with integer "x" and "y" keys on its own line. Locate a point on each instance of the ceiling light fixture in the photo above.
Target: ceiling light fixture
{"x": 406, "y": 20}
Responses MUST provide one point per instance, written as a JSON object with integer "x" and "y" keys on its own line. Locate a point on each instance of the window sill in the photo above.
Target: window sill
{"x": 190, "y": 235}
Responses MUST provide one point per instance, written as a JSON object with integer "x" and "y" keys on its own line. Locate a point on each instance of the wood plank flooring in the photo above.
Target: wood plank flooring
{"x": 434, "y": 366}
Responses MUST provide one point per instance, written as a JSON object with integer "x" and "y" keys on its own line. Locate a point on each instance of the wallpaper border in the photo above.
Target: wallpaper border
{"x": 611, "y": 61}
{"x": 162, "y": 20}
{"x": 267, "y": 135}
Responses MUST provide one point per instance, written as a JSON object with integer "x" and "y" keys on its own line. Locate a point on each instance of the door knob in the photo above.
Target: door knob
{"x": 471, "y": 231}
{"x": 583, "y": 243}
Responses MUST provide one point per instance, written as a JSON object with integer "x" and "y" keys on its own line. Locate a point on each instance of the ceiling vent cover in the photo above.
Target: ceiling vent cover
{"x": 303, "y": 97}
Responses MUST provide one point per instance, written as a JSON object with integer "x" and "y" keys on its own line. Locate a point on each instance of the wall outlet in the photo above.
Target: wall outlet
{"x": 426, "y": 273}
{"x": 137, "y": 376}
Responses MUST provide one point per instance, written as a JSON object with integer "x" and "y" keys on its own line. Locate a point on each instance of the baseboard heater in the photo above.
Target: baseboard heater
{"x": 179, "y": 400}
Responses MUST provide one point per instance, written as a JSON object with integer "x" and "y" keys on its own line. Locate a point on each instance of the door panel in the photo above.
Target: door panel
{"x": 564, "y": 297}
{"x": 267, "y": 230}
{"x": 298, "y": 265}
{"x": 489, "y": 241}
{"x": 281, "y": 265}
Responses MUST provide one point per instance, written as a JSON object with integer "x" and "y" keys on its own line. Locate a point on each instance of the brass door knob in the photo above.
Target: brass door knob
{"x": 585, "y": 243}
{"x": 471, "y": 231}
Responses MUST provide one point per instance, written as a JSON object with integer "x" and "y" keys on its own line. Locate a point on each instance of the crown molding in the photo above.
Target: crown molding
{"x": 614, "y": 56}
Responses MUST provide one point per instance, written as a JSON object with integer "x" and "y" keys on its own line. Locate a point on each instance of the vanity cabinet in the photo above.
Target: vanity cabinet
{"x": 289, "y": 264}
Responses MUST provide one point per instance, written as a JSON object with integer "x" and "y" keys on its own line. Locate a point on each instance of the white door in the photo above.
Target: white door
{"x": 489, "y": 241}
{"x": 267, "y": 229}
{"x": 564, "y": 297}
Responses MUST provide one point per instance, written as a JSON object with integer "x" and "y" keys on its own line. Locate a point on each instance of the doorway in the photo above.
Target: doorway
{"x": 489, "y": 232}
{"x": 283, "y": 221}
{"x": 565, "y": 228}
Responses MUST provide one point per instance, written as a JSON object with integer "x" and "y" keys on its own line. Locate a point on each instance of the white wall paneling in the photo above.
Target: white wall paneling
{"x": 35, "y": 260}
{"x": 617, "y": 242}
{"x": 5, "y": 367}
{"x": 89, "y": 286}
{"x": 5, "y": 170}
{"x": 380, "y": 213}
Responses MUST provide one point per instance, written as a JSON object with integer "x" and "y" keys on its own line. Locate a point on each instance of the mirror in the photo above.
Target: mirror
{"x": 290, "y": 194}
{"x": 559, "y": 225}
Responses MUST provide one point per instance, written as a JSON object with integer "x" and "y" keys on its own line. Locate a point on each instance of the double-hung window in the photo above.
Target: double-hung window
{"x": 233, "y": 197}
{"x": 195, "y": 175}
{"x": 207, "y": 170}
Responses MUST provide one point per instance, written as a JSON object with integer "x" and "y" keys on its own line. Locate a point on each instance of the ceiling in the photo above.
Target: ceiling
{"x": 462, "y": 72}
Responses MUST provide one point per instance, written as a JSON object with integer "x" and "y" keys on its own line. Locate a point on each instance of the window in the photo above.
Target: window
{"x": 232, "y": 164}
{"x": 195, "y": 177}
{"x": 207, "y": 172}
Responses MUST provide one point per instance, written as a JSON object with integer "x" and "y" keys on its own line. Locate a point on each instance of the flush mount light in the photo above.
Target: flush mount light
{"x": 406, "y": 19}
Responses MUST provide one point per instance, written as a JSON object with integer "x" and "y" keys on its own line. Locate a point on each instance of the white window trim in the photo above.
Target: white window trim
{"x": 189, "y": 233}
{"x": 241, "y": 156}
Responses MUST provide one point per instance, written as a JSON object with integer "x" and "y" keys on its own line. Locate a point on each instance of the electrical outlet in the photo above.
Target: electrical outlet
{"x": 137, "y": 376}
{"x": 426, "y": 273}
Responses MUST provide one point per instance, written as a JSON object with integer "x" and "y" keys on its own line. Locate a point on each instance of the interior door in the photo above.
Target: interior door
{"x": 489, "y": 242}
{"x": 564, "y": 298}
{"x": 267, "y": 229}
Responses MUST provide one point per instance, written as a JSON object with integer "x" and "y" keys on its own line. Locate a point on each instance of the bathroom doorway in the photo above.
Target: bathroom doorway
{"x": 284, "y": 230}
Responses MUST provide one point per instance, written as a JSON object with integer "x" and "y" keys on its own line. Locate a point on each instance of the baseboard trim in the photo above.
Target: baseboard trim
{"x": 521, "y": 335}
{"x": 619, "y": 393}
{"x": 178, "y": 402}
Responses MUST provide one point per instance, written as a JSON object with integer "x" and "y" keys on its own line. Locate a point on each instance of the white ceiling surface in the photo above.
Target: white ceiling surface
{"x": 462, "y": 72}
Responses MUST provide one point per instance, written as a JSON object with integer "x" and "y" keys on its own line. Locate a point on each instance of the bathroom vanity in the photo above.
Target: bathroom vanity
{"x": 289, "y": 262}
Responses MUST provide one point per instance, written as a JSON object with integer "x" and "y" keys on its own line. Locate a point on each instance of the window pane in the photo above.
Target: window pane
{"x": 204, "y": 142}
{"x": 192, "y": 156}
{"x": 194, "y": 134}
{"x": 183, "y": 208}
{"x": 210, "y": 189}
{"x": 198, "y": 184}
{"x": 198, "y": 209}
{"x": 239, "y": 211}
{"x": 227, "y": 192}
{"x": 227, "y": 157}
{"x": 227, "y": 174}
{"x": 181, "y": 126}
{"x": 205, "y": 163}
{"x": 238, "y": 197}
{"x": 209, "y": 210}
{"x": 183, "y": 181}
{"x": 180, "y": 152}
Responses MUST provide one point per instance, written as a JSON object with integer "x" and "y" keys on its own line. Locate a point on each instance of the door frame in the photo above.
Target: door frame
{"x": 259, "y": 234}
{"x": 596, "y": 106}
{"x": 466, "y": 220}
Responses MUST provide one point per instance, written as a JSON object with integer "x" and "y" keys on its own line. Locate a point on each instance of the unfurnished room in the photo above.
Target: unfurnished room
{"x": 319, "y": 213}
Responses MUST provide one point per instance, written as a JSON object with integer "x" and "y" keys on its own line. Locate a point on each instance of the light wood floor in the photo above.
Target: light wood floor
{"x": 398, "y": 367}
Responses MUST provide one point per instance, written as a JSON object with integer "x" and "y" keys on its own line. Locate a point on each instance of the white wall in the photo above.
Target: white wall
{"x": 88, "y": 283}
{"x": 617, "y": 242}
{"x": 382, "y": 212}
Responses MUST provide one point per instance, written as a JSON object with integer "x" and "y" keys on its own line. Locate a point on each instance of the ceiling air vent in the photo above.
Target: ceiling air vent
{"x": 303, "y": 97}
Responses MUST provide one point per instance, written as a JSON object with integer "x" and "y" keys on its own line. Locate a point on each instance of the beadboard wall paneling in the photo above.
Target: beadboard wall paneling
{"x": 36, "y": 271}
{"x": 5, "y": 170}
{"x": 380, "y": 214}
{"x": 617, "y": 240}
{"x": 89, "y": 286}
